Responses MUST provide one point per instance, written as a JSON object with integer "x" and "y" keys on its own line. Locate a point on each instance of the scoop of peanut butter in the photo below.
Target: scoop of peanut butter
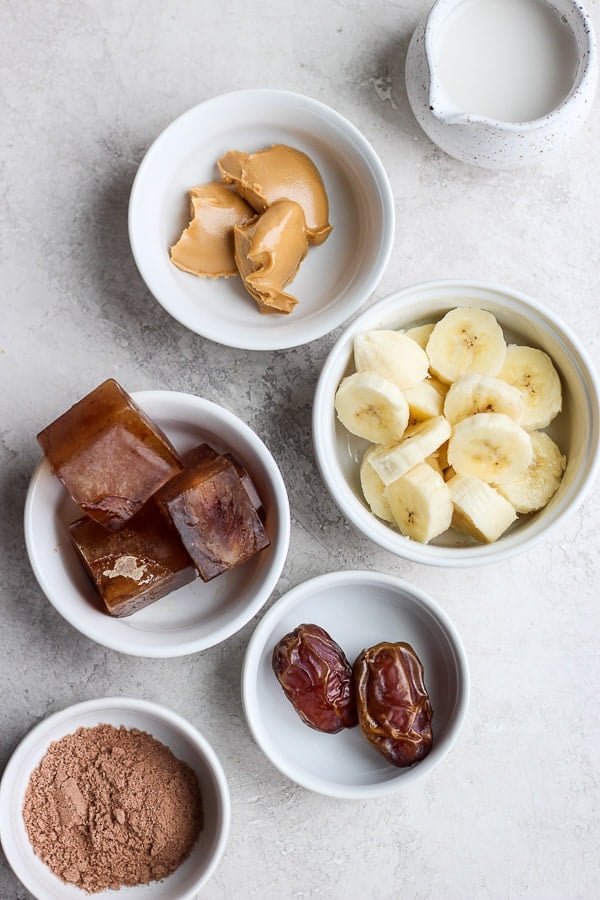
{"x": 206, "y": 247}
{"x": 268, "y": 252}
{"x": 280, "y": 172}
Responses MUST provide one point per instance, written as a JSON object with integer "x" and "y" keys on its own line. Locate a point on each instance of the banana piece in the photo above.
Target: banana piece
{"x": 372, "y": 407}
{"x": 479, "y": 510}
{"x": 373, "y": 488}
{"x": 466, "y": 339}
{"x": 489, "y": 446}
{"x": 419, "y": 441}
{"x": 392, "y": 355}
{"x": 420, "y": 333}
{"x": 539, "y": 482}
{"x": 420, "y": 503}
{"x": 436, "y": 465}
{"x": 482, "y": 393}
{"x": 533, "y": 373}
{"x": 425, "y": 400}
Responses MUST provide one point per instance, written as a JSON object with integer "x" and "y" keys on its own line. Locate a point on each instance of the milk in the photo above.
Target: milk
{"x": 511, "y": 60}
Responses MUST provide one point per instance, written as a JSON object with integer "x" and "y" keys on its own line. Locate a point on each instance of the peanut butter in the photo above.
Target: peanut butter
{"x": 206, "y": 246}
{"x": 280, "y": 172}
{"x": 268, "y": 252}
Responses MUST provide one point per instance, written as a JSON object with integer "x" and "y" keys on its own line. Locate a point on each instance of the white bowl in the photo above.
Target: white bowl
{"x": 198, "y": 615}
{"x": 358, "y": 609}
{"x": 576, "y": 429}
{"x": 334, "y": 280}
{"x": 167, "y": 727}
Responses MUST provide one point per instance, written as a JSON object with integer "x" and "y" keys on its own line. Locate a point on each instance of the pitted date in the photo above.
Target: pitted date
{"x": 316, "y": 678}
{"x": 394, "y": 712}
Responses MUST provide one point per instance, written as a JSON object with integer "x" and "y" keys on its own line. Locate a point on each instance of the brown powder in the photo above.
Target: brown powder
{"x": 109, "y": 807}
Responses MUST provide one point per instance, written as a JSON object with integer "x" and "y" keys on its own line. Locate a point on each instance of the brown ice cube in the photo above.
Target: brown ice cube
{"x": 109, "y": 454}
{"x": 202, "y": 452}
{"x": 136, "y": 565}
{"x": 216, "y": 520}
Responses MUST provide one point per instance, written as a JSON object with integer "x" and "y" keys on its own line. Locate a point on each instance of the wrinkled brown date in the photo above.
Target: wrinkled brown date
{"x": 394, "y": 711}
{"x": 316, "y": 678}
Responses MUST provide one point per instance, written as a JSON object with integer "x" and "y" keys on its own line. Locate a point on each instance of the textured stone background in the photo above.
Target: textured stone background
{"x": 87, "y": 86}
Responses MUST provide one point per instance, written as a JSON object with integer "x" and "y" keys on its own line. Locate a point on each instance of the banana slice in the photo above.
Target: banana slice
{"x": 372, "y": 407}
{"x": 434, "y": 462}
{"x": 391, "y": 354}
{"x": 540, "y": 481}
{"x": 425, "y": 400}
{"x": 466, "y": 340}
{"x": 419, "y": 442}
{"x": 489, "y": 446}
{"x": 420, "y": 503}
{"x": 481, "y": 393}
{"x": 420, "y": 333}
{"x": 479, "y": 510}
{"x": 533, "y": 373}
{"x": 373, "y": 488}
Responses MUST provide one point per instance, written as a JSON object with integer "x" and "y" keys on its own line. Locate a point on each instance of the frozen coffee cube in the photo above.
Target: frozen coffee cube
{"x": 212, "y": 511}
{"x": 136, "y": 565}
{"x": 109, "y": 454}
{"x": 204, "y": 451}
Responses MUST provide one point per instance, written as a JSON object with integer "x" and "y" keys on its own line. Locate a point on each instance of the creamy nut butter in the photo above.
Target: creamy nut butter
{"x": 268, "y": 252}
{"x": 280, "y": 172}
{"x": 206, "y": 246}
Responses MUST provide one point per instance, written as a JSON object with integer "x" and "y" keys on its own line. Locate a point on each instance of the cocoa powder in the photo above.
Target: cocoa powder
{"x": 109, "y": 807}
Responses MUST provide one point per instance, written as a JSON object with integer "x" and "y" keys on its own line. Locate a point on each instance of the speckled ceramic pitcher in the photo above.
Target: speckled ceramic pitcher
{"x": 482, "y": 139}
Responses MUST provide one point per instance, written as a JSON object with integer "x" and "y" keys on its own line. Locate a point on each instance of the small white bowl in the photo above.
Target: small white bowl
{"x": 334, "y": 280}
{"x": 358, "y": 609}
{"x": 576, "y": 429}
{"x": 198, "y": 615}
{"x": 167, "y": 727}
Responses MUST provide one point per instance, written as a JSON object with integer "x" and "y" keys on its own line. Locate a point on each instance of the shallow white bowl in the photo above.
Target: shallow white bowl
{"x": 358, "y": 609}
{"x": 167, "y": 727}
{"x": 334, "y": 280}
{"x": 576, "y": 429}
{"x": 198, "y": 615}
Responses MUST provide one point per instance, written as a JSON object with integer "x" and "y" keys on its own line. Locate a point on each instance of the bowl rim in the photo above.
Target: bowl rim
{"x": 377, "y": 531}
{"x": 323, "y": 323}
{"x": 288, "y": 601}
{"x": 279, "y": 546}
{"x": 38, "y": 736}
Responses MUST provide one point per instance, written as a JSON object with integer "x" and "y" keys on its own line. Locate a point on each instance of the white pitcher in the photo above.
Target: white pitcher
{"x": 483, "y": 139}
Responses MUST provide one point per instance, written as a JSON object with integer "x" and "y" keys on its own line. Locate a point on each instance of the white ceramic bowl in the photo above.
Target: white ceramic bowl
{"x": 334, "y": 280}
{"x": 198, "y": 615}
{"x": 167, "y": 727}
{"x": 576, "y": 429}
{"x": 358, "y": 609}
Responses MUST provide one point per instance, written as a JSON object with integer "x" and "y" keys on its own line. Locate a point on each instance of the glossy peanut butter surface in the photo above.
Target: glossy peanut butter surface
{"x": 268, "y": 252}
{"x": 206, "y": 246}
{"x": 280, "y": 172}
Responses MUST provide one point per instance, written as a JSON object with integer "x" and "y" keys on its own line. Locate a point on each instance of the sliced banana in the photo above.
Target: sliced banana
{"x": 420, "y": 503}
{"x": 392, "y": 355}
{"x": 479, "y": 510}
{"x": 373, "y": 488}
{"x": 489, "y": 446}
{"x": 420, "y": 333}
{"x": 466, "y": 339}
{"x": 419, "y": 442}
{"x": 372, "y": 407}
{"x": 425, "y": 400}
{"x": 481, "y": 393}
{"x": 533, "y": 373}
{"x": 434, "y": 461}
{"x": 539, "y": 482}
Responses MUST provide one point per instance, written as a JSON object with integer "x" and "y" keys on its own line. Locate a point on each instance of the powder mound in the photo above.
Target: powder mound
{"x": 112, "y": 807}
